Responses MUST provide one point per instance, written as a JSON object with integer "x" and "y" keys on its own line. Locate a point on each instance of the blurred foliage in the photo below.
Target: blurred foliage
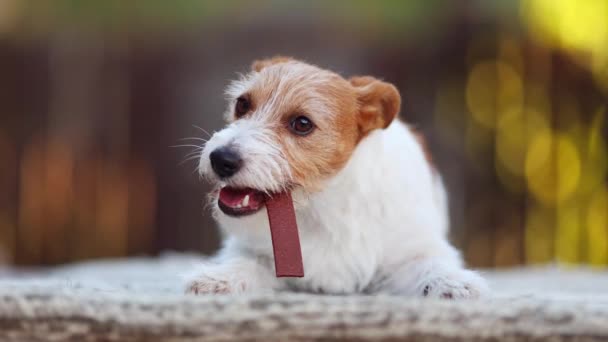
{"x": 114, "y": 15}
{"x": 394, "y": 17}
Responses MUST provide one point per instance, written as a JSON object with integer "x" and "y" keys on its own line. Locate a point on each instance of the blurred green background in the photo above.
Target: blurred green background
{"x": 511, "y": 95}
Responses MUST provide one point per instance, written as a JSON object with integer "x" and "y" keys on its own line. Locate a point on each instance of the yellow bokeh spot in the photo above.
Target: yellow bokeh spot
{"x": 595, "y": 162}
{"x": 569, "y": 24}
{"x": 567, "y": 237}
{"x": 539, "y": 235}
{"x": 596, "y": 146}
{"x": 597, "y": 228}
{"x": 492, "y": 88}
{"x": 511, "y": 144}
{"x": 552, "y": 168}
{"x": 514, "y": 130}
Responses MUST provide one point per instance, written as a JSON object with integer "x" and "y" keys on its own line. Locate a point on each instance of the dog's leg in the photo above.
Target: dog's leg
{"x": 237, "y": 274}
{"x": 435, "y": 278}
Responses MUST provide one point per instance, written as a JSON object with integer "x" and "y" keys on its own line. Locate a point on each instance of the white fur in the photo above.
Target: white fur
{"x": 266, "y": 167}
{"x": 378, "y": 226}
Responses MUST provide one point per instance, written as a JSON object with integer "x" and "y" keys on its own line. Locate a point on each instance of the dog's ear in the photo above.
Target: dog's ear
{"x": 260, "y": 64}
{"x": 379, "y": 102}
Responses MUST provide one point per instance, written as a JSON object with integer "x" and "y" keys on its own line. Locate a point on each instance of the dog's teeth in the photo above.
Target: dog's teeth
{"x": 239, "y": 206}
{"x": 246, "y": 201}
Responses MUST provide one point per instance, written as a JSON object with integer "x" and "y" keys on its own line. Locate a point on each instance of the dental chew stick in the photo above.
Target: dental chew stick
{"x": 285, "y": 239}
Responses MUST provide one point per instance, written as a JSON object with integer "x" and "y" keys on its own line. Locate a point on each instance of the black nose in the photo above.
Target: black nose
{"x": 225, "y": 162}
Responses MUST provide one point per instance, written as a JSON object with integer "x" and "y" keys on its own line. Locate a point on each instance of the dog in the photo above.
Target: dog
{"x": 371, "y": 209}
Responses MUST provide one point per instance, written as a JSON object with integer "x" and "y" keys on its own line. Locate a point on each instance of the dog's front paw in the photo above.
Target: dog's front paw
{"x": 462, "y": 285}
{"x": 231, "y": 276}
{"x": 205, "y": 286}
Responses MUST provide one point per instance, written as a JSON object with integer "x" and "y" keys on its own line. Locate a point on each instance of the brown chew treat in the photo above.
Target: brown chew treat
{"x": 285, "y": 239}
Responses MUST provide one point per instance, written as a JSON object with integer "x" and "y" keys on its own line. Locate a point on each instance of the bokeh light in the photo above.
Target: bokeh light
{"x": 493, "y": 87}
{"x": 597, "y": 227}
{"x": 552, "y": 167}
{"x": 514, "y": 132}
{"x": 568, "y": 235}
{"x": 539, "y": 235}
{"x": 569, "y": 24}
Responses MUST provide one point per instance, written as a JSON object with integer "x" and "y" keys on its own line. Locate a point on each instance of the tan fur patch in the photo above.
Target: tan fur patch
{"x": 262, "y": 63}
{"x": 379, "y": 101}
{"x": 342, "y": 111}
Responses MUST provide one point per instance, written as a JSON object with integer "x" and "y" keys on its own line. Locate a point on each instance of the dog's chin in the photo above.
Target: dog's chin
{"x": 239, "y": 202}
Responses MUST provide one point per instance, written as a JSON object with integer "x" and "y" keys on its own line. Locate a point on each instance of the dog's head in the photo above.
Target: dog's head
{"x": 291, "y": 125}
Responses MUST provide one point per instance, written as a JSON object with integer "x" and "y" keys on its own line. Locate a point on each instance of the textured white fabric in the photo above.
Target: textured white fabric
{"x": 143, "y": 299}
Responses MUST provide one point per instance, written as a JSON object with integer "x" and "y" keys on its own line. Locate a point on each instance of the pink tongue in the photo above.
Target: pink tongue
{"x": 233, "y": 197}
{"x": 285, "y": 239}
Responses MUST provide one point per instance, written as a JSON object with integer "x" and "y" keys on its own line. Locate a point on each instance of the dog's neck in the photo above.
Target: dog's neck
{"x": 354, "y": 192}
{"x": 387, "y": 181}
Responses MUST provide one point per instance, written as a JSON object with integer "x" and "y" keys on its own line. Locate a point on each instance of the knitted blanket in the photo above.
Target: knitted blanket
{"x": 142, "y": 300}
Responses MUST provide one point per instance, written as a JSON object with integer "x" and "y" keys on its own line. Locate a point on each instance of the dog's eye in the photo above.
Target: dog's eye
{"x": 301, "y": 125}
{"x": 243, "y": 105}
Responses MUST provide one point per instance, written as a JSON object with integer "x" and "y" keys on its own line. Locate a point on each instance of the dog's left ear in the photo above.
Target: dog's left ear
{"x": 260, "y": 64}
{"x": 379, "y": 102}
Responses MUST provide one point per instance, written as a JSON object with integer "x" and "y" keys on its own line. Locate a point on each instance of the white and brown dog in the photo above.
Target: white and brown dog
{"x": 371, "y": 209}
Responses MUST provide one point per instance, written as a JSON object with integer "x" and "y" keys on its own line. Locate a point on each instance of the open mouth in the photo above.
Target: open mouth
{"x": 240, "y": 202}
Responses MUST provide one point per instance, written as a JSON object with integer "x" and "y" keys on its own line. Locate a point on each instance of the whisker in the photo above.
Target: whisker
{"x": 188, "y": 159}
{"x": 193, "y": 154}
{"x": 196, "y": 151}
{"x": 194, "y": 138}
{"x": 195, "y": 146}
{"x": 202, "y": 130}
